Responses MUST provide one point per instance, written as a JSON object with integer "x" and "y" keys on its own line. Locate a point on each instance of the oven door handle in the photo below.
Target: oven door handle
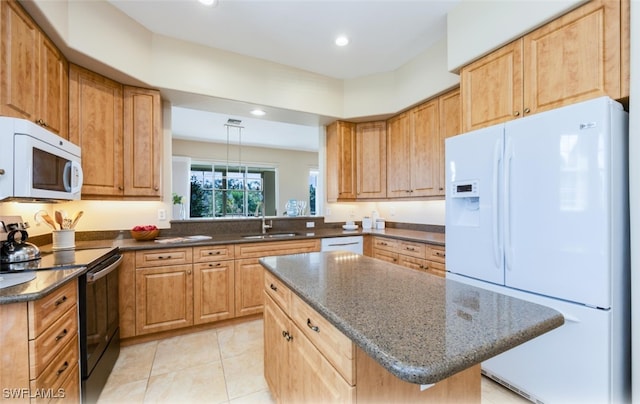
{"x": 94, "y": 276}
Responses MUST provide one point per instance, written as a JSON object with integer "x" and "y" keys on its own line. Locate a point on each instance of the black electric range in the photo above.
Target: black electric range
{"x": 62, "y": 259}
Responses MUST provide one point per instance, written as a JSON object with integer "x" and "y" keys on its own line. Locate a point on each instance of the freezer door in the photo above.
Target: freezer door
{"x": 574, "y": 363}
{"x": 473, "y": 174}
{"x": 557, "y": 204}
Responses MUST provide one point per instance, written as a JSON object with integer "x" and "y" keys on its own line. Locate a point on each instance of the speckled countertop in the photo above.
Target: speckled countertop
{"x": 46, "y": 281}
{"x": 129, "y": 244}
{"x": 42, "y": 283}
{"x": 420, "y": 327}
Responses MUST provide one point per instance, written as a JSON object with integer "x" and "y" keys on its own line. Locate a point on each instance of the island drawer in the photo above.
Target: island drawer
{"x": 57, "y": 370}
{"x": 43, "y": 349}
{"x": 277, "y": 290}
{"x": 385, "y": 244}
{"x": 385, "y": 255}
{"x": 436, "y": 253}
{"x": 333, "y": 344}
{"x": 213, "y": 253}
{"x": 44, "y": 312}
{"x": 418, "y": 264}
{"x": 154, "y": 258}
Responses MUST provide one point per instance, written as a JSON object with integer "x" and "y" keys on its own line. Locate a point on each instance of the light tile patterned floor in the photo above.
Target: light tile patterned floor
{"x": 223, "y": 365}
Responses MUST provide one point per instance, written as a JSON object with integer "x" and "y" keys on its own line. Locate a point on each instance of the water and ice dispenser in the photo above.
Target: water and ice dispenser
{"x": 465, "y": 203}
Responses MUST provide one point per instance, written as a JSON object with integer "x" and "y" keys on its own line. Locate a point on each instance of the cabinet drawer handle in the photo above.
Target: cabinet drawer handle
{"x": 439, "y": 254}
{"x": 214, "y": 265}
{"x": 60, "y": 301}
{"x": 273, "y": 287}
{"x": 62, "y": 335}
{"x": 214, "y": 253}
{"x": 410, "y": 249}
{"x": 313, "y": 327}
{"x": 287, "y": 336}
{"x": 161, "y": 257}
{"x": 62, "y": 369}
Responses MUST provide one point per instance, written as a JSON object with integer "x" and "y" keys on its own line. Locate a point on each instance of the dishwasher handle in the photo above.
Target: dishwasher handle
{"x": 94, "y": 276}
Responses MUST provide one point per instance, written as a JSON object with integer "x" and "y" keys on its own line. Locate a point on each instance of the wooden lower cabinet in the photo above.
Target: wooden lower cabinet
{"x": 173, "y": 288}
{"x": 415, "y": 255}
{"x": 295, "y": 370}
{"x": 40, "y": 349}
{"x": 249, "y": 273}
{"x": 164, "y": 298}
{"x": 308, "y": 360}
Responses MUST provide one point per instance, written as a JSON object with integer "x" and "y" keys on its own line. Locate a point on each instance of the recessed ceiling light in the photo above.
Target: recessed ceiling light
{"x": 342, "y": 40}
{"x": 258, "y": 112}
{"x": 212, "y": 3}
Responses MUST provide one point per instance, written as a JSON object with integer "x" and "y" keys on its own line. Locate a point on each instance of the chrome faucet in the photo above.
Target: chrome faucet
{"x": 265, "y": 226}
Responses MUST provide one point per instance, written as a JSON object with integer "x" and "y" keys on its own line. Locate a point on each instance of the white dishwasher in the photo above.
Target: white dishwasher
{"x": 351, "y": 243}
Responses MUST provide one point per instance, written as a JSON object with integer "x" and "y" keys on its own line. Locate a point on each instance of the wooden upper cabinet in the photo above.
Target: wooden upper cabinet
{"x": 399, "y": 156}
{"x": 574, "y": 58}
{"x": 579, "y": 56}
{"x": 492, "y": 88}
{"x": 340, "y": 175}
{"x": 450, "y": 125}
{"x": 371, "y": 159}
{"x": 425, "y": 149}
{"x": 142, "y": 144}
{"x": 95, "y": 124}
{"x": 33, "y": 72}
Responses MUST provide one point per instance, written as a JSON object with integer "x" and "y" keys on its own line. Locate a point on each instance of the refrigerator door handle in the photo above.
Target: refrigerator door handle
{"x": 497, "y": 242}
{"x": 507, "y": 204}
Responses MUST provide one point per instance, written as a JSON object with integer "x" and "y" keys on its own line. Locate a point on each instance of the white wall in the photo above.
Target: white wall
{"x": 475, "y": 28}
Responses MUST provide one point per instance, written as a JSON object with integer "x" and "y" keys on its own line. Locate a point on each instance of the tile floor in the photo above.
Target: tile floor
{"x": 223, "y": 365}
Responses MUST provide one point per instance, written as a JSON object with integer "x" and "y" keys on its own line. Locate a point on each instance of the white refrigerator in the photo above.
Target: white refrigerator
{"x": 537, "y": 208}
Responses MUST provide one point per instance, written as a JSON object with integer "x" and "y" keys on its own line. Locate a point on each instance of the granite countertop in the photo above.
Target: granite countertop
{"x": 420, "y": 327}
{"x": 38, "y": 285}
{"x": 129, "y": 244}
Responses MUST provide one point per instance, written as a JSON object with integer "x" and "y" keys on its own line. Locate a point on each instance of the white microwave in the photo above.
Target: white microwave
{"x": 37, "y": 165}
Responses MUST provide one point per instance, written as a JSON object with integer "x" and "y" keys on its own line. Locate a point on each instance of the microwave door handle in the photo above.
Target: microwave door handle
{"x": 72, "y": 177}
{"x": 94, "y": 276}
{"x": 76, "y": 171}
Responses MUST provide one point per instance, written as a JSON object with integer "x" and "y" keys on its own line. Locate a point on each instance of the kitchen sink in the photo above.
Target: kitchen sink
{"x": 270, "y": 235}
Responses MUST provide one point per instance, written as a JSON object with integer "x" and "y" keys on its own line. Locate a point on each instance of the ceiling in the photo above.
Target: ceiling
{"x": 384, "y": 35}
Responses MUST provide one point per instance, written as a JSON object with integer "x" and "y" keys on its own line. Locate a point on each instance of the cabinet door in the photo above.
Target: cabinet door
{"x": 142, "y": 142}
{"x": 398, "y": 156}
{"x": 19, "y": 62}
{"x": 213, "y": 291}
{"x": 371, "y": 168}
{"x": 53, "y": 109}
{"x": 95, "y": 124}
{"x": 491, "y": 88}
{"x": 164, "y": 298}
{"x": 332, "y": 171}
{"x": 276, "y": 350}
{"x": 450, "y": 120}
{"x": 424, "y": 147}
{"x": 574, "y": 58}
{"x": 313, "y": 378}
{"x": 249, "y": 284}
{"x": 346, "y": 160}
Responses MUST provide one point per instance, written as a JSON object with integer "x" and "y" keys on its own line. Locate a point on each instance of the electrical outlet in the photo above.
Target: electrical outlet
{"x": 162, "y": 214}
{"x": 311, "y": 224}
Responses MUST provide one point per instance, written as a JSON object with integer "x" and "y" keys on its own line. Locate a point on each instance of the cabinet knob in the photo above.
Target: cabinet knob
{"x": 527, "y": 110}
{"x": 1, "y": 171}
{"x": 273, "y": 287}
{"x": 156, "y": 188}
{"x": 516, "y": 113}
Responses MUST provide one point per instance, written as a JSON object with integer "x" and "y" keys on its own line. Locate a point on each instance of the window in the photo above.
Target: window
{"x": 313, "y": 187}
{"x": 227, "y": 191}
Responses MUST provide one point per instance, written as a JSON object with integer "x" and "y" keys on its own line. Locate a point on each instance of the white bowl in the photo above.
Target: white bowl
{"x": 350, "y": 226}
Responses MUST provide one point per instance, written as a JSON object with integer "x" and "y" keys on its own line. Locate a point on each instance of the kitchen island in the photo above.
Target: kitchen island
{"x": 419, "y": 330}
